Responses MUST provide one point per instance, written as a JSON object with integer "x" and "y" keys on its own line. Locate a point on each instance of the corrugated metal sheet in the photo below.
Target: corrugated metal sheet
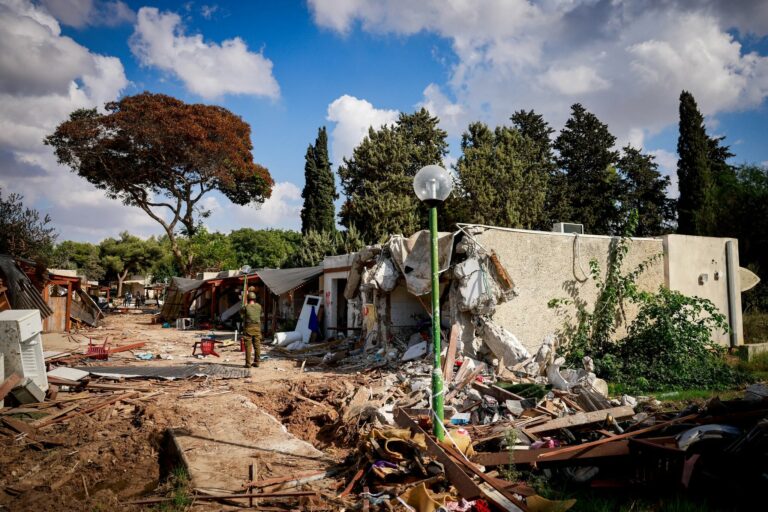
{"x": 21, "y": 293}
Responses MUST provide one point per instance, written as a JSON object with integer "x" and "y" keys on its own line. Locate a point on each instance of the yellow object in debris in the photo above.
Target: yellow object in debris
{"x": 421, "y": 499}
{"x": 397, "y": 443}
{"x": 538, "y": 503}
{"x": 459, "y": 438}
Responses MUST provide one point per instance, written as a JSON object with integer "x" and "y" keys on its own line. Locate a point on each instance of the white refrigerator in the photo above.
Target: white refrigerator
{"x": 21, "y": 343}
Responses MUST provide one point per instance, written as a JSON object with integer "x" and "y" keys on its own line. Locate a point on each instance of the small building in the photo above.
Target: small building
{"x": 217, "y": 300}
{"x": 386, "y": 288}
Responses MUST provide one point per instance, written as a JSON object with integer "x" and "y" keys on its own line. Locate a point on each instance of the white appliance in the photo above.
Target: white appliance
{"x": 21, "y": 342}
{"x": 568, "y": 227}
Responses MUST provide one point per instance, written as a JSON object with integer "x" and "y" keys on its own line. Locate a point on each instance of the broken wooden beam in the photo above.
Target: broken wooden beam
{"x": 626, "y": 435}
{"x": 8, "y": 384}
{"x": 583, "y": 418}
{"x": 617, "y": 449}
{"x": 125, "y": 348}
{"x": 215, "y": 497}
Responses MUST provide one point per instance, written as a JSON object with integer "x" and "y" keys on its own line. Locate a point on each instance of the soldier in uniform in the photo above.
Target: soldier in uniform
{"x": 252, "y": 320}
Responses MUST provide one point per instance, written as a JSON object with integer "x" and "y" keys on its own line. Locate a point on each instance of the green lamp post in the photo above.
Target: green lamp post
{"x": 433, "y": 185}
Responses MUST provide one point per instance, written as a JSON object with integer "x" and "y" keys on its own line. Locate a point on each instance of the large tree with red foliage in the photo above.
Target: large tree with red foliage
{"x": 163, "y": 155}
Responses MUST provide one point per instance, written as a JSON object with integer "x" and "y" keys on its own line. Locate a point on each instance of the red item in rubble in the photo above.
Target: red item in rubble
{"x": 481, "y": 506}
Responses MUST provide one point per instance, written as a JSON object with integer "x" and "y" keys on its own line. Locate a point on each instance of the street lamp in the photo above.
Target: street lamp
{"x": 433, "y": 185}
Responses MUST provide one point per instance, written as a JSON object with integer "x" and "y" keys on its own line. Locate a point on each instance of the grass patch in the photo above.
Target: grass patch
{"x": 179, "y": 490}
{"x": 757, "y": 367}
{"x": 688, "y": 395}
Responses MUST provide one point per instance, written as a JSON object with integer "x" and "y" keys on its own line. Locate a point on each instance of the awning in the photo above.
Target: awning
{"x": 283, "y": 280}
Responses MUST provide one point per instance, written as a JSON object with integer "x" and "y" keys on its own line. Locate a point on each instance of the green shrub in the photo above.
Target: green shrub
{"x": 668, "y": 345}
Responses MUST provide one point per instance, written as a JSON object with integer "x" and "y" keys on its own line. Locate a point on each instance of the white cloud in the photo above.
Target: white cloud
{"x": 668, "y": 167}
{"x": 281, "y": 210}
{"x": 625, "y": 61}
{"x": 80, "y": 13}
{"x": 353, "y": 117}
{"x": 207, "y": 11}
{"x": 43, "y": 77}
{"x": 207, "y": 69}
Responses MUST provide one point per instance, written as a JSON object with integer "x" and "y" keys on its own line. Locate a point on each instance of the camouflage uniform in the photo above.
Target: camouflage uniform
{"x": 252, "y": 334}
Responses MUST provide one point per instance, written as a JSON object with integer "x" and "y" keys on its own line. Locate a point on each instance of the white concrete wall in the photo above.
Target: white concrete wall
{"x": 547, "y": 266}
{"x": 696, "y": 266}
{"x": 330, "y": 294}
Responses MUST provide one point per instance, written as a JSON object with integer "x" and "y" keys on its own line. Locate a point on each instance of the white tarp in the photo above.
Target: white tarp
{"x": 413, "y": 257}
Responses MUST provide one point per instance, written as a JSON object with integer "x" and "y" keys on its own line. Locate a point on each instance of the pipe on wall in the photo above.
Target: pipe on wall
{"x": 734, "y": 302}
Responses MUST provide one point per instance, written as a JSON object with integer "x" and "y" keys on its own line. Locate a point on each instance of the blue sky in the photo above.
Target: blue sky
{"x": 289, "y": 67}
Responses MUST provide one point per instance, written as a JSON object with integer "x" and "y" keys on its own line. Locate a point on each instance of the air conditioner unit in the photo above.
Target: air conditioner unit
{"x": 568, "y": 227}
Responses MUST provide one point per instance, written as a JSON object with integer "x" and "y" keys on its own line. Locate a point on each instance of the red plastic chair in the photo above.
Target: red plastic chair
{"x": 95, "y": 352}
{"x": 207, "y": 347}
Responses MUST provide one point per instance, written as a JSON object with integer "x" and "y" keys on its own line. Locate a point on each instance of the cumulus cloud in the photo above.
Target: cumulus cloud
{"x": 625, "y": 61}
{"x": 353, "y": 117}
{"x": 43, "y": 77}
{"x": 281, "y": 210}
{"x": 80, "y": 13}
{"x": 207, "y": 69}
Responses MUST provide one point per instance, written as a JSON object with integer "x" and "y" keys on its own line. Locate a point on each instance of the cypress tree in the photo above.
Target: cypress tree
{"x": 591, "y": 180}
{"x": 695, "y": 206}
{"x": 318, "y": 213}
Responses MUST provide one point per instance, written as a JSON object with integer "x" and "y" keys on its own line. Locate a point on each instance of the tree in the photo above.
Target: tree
{"x": 264, "y": 248}
{"x": 586, "y": 157}
{"x": 503, "y": 175}
{"x": 696, "y": 204}
{"x": 81, "y": 256}
{"x": 378, "y": 179}
{"x": 128, "y": 255}
{"x": 209, "y": 252}
{"x": 556, "y": 206}
{"x": 163, "y": 155}
{"x": 318, "y": 212}
{"x": 644, "y": 189}
{"x": 315, "y": 246}
{"x": 23, "y": 233}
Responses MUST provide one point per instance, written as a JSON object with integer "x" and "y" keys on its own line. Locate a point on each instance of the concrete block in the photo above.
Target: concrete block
{"x": 28, "y": 392}
{"x": 750, "y": 350}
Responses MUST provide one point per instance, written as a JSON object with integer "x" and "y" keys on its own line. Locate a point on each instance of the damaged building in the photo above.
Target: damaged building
{"x": 496, "y": 284}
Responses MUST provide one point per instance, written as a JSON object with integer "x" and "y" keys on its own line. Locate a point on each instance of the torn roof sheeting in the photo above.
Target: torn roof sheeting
{"x": 21, "y": 293}
{"x": 283, "y": 280}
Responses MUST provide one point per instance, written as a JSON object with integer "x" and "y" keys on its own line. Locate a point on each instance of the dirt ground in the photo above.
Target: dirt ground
{"x": 115, "y": 455}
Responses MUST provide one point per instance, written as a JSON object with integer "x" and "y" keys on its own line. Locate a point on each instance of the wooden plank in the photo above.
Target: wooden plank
{"x": 450, "y": 355}
{"x": 497, "y": 495}
{"x": 304, "y": 477}
{"x": 351, "y": 484}
{"x": 617, "y": 449}
{"x": 500, "y": 394}
{"x": 463, "y": 483}
{"x": 57, "y": 414}
{"x": 469, "y": 378}
{"x": 124, "y": 348}
{"x": 116, "y": 398}
{"x": 583, "y": 418}
{"x": 626, "y": 435}
{"x": 8, "y": 384}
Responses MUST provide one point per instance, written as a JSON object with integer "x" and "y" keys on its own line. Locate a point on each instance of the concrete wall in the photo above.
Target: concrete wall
{"x": 334, "y": 268}
{"x": 546, "y": 266}
{"x": 697, "y": 266}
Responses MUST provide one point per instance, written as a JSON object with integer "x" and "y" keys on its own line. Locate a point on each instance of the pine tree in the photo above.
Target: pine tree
{"x": 318, "y": 213}
{"x": 591, "y": 181}
{"x": 644, "y": 189}
{"x": 696, "y": 204}
{"x": 378, "y": 179}
{"x": 503, "y": 175}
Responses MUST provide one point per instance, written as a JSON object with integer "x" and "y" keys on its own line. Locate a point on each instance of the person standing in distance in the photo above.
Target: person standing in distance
{"x": 252, "y": 319}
